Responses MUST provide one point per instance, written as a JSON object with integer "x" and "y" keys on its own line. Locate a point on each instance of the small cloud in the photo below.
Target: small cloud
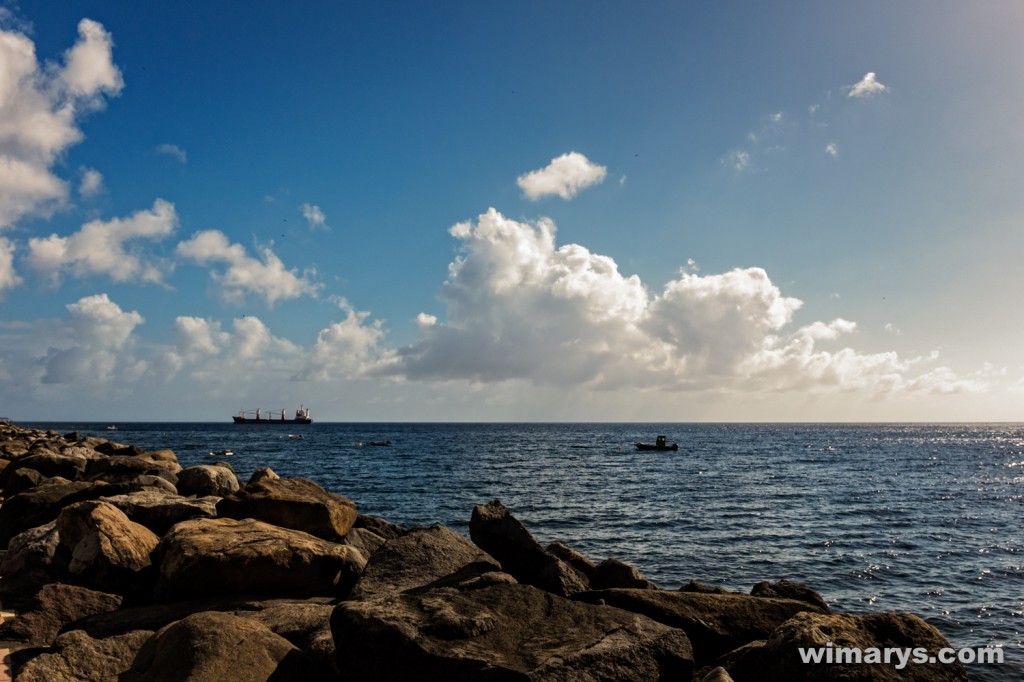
{"x": 622, "y": 181}
{"x": 173, "y": 150}
{"x": 315, "y": 218}
{"x": 832, "y": 149}
{"x": 889, "y": 327}
{"x": 565, "y": 176}
{"x": 738, "y": 160}
{"x": 834, "y": 295}
{"x": 91, "y": 184}
{"x": 869, "y": 86}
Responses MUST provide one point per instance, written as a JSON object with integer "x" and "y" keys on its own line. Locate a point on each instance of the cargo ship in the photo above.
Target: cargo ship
{"x": 273, "y": 417}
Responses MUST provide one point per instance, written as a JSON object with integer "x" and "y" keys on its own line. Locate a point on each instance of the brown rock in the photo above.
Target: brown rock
{"x": 577, "y": 560}
{"x": 42, "y": 504}
{"x": 217, "y": 646}
{"x": 366, "y": 541}
{"x": 107, "y": 549}
{"x": 419, "y": 557}
{"x": 206, "y": 479}
{"x": 223, "y": 556}
{"x": 53, "y": 607}
{"x": 33, "y": 559}
{"x": 494, "y": 530}
{"x": 715, "y": 623}
{"x": 75, "y": 656}
{"x": 504, "y": 632}
{"x": 294, "y": 503}
{"x": 778, "y": 660}
{"x": 612, "y": 573}
{"x": 788, "y": 589}
{"x": 159, "y": 511}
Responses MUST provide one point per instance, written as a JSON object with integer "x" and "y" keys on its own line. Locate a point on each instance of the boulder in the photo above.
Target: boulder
{"x": 577, "y": 560}
{"x": 126, "y": 469}
{"x": 206, "y": 479}
{"x": 379, "y": 526}
{"x": 612, "y": 573}
{"x": 698, "y": 586}
{"x": 33, "y": 559}
{"x": 366, "y": 541}
{"x": 217, "y": 646}
{"x": 42, "y": 504}
{"x": 76, "y": 656}
{"x": 294, "y": 503}
{"x": 715, "y": 623}
{"x": 306, "y": 624}
{"x": 108, "y": 550}
{"x": 502, "y": 632}
{"x": 718, "y": 674}
{"x": 159, "y": 511}
{"x": 262, "y": 474}
{"x": 50, "y": 464}
{"x": 419, "y": 557}
{"x": 494, "y": 530}
{"x": 53, "y": 607}
{"x": 789, "y": 589}
{"x": 223, "y": 556}
{"x": 778, "y": 659}
{"x": 20, "y": 480}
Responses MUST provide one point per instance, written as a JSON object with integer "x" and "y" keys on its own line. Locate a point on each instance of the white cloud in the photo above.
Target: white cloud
{"x": 832, "y": 149}
{"x": 315, "y": 217}
{"x": 8, "y": 277}
{"x": 519, "y": 307}
{"x": 173, "y": 151}
{"x": 349, "y": 348}
{"x": 266, "y": 277}
{"x": 738, "y": 160}
{"x": 39, "y": 108}
{"x": 868, "y": 86}
{"x": 97, "y": 340}
{"x": 107, "y": 247}
{"x": 565, "y": 176}
{"x": 91, "y": 183}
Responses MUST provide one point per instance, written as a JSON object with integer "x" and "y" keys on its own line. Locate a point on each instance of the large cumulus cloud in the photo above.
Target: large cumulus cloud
{"x": 519, "y": 306}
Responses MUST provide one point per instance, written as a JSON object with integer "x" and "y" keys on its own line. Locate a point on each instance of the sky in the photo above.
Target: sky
{"x": 533, "y": 211}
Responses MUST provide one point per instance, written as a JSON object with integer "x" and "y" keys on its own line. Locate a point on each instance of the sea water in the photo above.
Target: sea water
{"x": 876, "y": 517}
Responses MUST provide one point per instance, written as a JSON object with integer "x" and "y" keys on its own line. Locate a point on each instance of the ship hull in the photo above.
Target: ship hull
{"x": 247, "y": 420}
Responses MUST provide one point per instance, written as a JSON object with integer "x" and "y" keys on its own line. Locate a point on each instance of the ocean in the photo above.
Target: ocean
{"x": 876, "y": 517}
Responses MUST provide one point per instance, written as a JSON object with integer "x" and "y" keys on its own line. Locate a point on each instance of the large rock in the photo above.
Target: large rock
{"x": 42, "y": 504}
{"x": 224, "y": 556}
{"x": 108, "y": 550}
{"x": 419, "y": 557}
{"x": 33, "y": 559}
{"x": 292, "y": 503}
{"x": 217, "y": 646}
{"x": 159, "y": 511}
{"x": 53, "y": 607}
{"x": 49, "y": 464}
{"x": 715, "y": 623}
{"x": 305, "y": 623}
{"x": 75, "y": 656}
{"x": 612, "y": 573}
{"x": 504, "y": 632}
{"x": 126, "y": 469}
{"x": 207, "y": 479}
{"x": 779, "y": 660}
{"x": 494, "y": 530}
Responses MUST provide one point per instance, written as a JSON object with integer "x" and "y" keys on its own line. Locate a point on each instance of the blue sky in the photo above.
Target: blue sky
{"x": 519, "y": 211}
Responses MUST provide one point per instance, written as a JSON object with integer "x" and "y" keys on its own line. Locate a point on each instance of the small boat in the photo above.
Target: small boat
{"x": 112, "y": 427}
{"x": 659, "y": 444}
{"x": 380, "y": 443}
{"x": 295, "y": 435}
{"x": 222, "y": 453}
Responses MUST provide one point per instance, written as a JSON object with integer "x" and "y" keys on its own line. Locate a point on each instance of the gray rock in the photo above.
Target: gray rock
{"x": 419, "y": 557}
{"x": 503, "y": 632}
{"x": 494, "y": 530}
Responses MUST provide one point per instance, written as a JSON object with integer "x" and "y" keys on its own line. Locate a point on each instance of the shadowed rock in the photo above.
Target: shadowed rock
{"x": 53, "y": 607}
{"x": 217, "y": 646}
{"x": 494, "y": 530}
{"x": 33, "y": 559}
{"x": 75, "y": 656}
{"x": 42, "y": 504}
{"x": 577, "y": 560}
{"x": 419, "y": 557}
{"x": 292, "y": 503}
{"x": 612, "y": 573}
{"x": 504, "y": 632}
{"x": 778, "y": 659}
{"x": 715, "y": 623}
{"x": 125, "y": 469}
{"x": 789, "y": 589}
{"x": 224, "y": 556}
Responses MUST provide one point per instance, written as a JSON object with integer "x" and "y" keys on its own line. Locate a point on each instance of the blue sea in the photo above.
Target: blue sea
{"x": 876, "y": 517}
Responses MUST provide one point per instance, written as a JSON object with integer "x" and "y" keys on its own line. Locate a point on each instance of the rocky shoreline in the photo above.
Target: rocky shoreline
{"x": 122, "y": 565}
